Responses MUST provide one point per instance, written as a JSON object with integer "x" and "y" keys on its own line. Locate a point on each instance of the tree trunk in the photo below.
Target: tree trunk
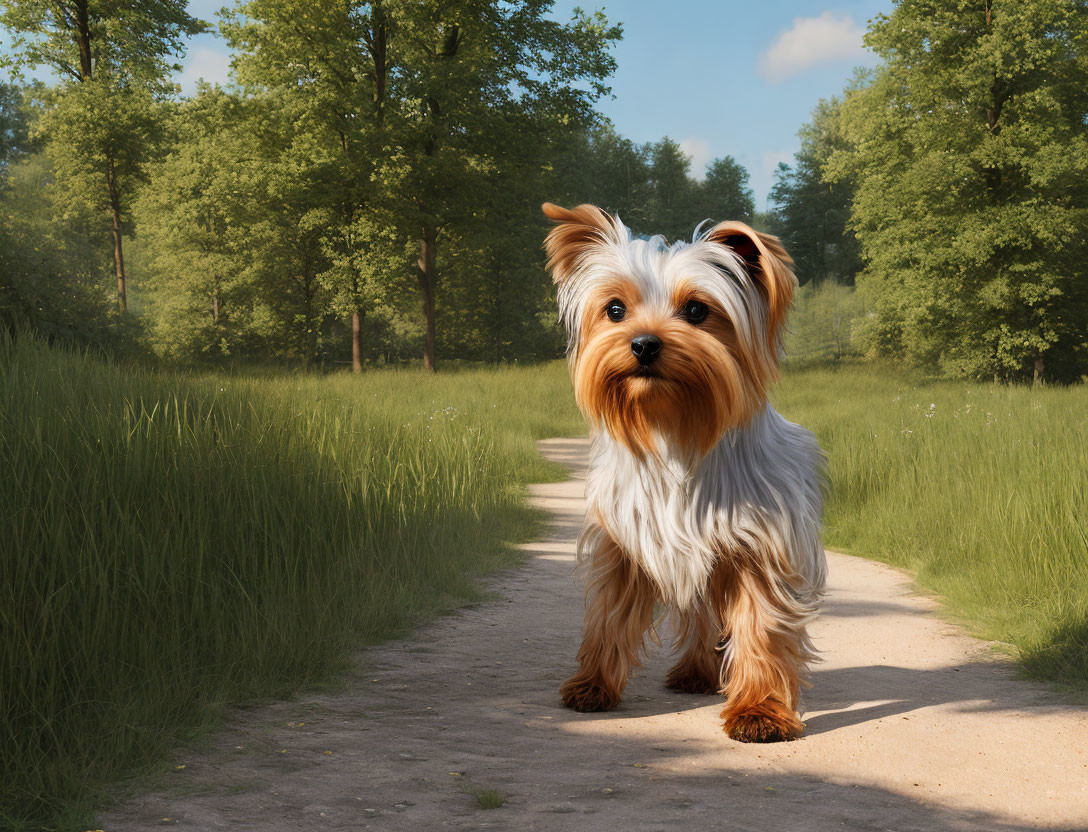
{"x": 83, "y": 39}
{"x": 118, "y": 254}
{"x": 357, "y": 341}
{"x": 427, "y": 245}
{"x": 429, "y": 239}
{"x": 1038, "y": 378}
{"x": 215, "y": 306}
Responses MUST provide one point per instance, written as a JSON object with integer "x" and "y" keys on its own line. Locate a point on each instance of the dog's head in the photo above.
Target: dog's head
{"x": 680, "y": 341}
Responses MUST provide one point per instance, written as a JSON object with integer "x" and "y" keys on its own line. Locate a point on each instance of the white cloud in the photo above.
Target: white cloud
{"x": 699, "y": 152}
{"x": 811, "y": 41}
{"x": 202, "y": 62}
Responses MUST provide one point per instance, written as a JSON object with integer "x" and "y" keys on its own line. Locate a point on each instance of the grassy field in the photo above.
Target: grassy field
{"x": 175, "y": 542}
{"x": 980, "y": 490}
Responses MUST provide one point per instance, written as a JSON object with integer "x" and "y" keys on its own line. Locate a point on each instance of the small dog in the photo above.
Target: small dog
{"x": 699, "y": 494}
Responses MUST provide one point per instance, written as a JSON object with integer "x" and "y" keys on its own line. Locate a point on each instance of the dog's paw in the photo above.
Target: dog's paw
{"x": 686, "y": 678}
{"x": 769, "y": 721}
{"x": 586, "y": 695}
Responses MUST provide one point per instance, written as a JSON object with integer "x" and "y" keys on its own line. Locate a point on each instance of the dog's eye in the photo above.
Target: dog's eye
{"x": 695, "y": 311}
{"x": 615, "y": 310}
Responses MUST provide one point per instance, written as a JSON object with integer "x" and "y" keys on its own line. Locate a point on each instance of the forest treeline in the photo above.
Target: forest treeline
{"x": 367, "y": 189}
{"x": 958, "y": 171}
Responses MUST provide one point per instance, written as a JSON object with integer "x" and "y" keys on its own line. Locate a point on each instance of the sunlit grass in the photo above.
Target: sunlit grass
{"x": 980, "y": 490}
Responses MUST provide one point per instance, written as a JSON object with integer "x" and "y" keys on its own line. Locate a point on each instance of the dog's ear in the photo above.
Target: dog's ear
{"x": 767, "y": 263}
{"x": 577, "y": 231}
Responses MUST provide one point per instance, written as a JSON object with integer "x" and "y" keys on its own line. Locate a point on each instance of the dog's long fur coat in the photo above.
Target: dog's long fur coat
{"x": 699, "y": 494}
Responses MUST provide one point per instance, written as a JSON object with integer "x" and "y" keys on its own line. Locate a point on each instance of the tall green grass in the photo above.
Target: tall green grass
{"x": 980, "y": 490}
{"x": 171, "y": 543}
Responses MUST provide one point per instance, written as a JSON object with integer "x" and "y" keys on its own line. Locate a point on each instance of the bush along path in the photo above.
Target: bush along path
{"x": 911, "y": 726}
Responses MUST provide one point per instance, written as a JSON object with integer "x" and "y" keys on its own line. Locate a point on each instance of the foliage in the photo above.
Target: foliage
{"x": 671, "y": 191}
{"x": 970, "y": 152}
{"x": 233, "y": 237}
{"x": 356, "y": 170}
{"x": 725, "y": 193}
{"x": 826, "y": 323}
{"x": 422, "y": 109}
{"x": 600, "y": 166}
{"x": 650, "y": 186}
{"x": 89, "y": 128}
{"x": 812, "y": 213}
{"x": 14, "y": 124}
{"x": 82, "y": 38}
{"x": 51, "y": 259}
{"x": 113, "y": 59}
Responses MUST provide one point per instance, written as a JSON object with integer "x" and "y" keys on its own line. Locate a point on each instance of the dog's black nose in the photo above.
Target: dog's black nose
{"x": 646, "y": 349}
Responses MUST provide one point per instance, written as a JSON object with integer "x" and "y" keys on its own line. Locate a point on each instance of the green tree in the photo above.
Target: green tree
{"x": 650, "y": 186}
{"x": 50, "y": 264}
{"x": 495, "y": 301}
{"x": 671, "y": 210}
{"x": 235, "y": 229}
{"x": 98, "y": 132}
{"x": 422, "y": 101}
{"x": 599, "y": 166}
{"x": 478, "y": 77}
{"x": 970, "y": 151}
{"x": 50, "y": 260}
{"x": 724, "y": 194}
{"x": 14, "y": 124}
{"x": 198, "y": 230}
{"x": 813, "y": 212}
{"x": 113, "y": 59}
{"x": 330, "y": 67}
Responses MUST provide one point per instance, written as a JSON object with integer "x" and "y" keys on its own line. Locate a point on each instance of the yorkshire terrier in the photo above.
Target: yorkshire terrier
{"x": 700, "y": 495}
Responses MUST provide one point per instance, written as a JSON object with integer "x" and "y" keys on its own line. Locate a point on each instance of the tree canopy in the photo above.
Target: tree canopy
{"x": 114, "y": 59}
{"x": 969, "y": 150}
{"x": 367, "y": 188}
{"x": 813, "y": 212}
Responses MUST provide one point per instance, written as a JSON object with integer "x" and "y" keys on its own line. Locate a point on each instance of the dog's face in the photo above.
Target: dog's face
{"x": 677, "y": 341}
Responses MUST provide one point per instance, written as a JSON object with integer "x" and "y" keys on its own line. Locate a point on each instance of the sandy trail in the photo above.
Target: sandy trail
{"x": 911, "y": 726}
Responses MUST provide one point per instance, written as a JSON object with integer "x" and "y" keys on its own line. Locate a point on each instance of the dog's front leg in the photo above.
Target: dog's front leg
{"x": 619, "y": 610}
{"x": 767, "y": 651}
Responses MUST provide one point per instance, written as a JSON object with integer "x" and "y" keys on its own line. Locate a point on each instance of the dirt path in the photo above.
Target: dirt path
{"x": 911, "y": 726}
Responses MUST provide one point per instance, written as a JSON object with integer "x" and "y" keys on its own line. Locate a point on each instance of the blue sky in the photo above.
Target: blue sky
{"x": 735, "y": 78}
{"x": 721, "y": 78}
